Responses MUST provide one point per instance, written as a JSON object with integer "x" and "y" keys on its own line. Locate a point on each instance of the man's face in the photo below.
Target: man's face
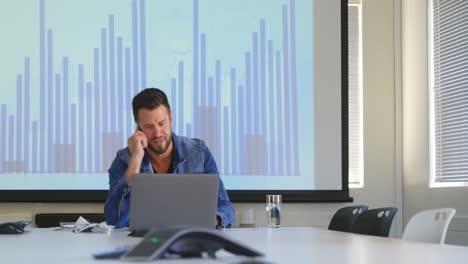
{"x": 157, "y": 125}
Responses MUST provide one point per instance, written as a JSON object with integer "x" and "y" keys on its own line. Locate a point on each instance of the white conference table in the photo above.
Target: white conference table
{"x": 283, "y": 245}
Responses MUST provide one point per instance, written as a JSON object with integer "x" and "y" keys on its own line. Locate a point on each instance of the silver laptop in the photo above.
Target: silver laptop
{"x": 162, "y": 200}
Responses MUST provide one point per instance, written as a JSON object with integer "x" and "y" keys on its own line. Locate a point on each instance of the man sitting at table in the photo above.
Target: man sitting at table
{"x": 154, "y": 148}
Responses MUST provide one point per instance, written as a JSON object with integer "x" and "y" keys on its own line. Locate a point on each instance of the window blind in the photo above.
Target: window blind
{"x": 355, "y": 97}
{"x": 449, "y": 102}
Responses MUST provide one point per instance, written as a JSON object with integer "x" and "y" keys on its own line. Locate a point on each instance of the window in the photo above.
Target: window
{"x": 448, "y": 93}
{"x": 355, "y": 135}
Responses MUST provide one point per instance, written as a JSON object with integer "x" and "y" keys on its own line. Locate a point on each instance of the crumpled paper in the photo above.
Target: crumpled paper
{"x": 82, "y": 225}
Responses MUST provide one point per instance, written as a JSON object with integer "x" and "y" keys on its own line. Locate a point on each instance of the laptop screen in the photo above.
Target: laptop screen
{"x": 162, "y": 200}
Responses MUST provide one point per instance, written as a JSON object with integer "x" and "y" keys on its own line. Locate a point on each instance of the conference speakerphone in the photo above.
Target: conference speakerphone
{"x": 185, "y": 243}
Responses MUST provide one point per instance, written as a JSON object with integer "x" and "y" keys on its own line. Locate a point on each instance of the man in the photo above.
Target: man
{"x": 154, "y": 148}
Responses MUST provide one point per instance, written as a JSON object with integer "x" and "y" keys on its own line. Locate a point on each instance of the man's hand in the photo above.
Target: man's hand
{"x": 136, "y": 144}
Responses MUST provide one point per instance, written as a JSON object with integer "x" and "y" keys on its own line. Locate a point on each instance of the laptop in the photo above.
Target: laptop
{"x": 163, "y": 200}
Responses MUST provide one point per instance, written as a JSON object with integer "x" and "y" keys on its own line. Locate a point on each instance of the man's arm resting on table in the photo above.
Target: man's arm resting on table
{"x": 225, "y": 215}
{"x": 117, "y": 203}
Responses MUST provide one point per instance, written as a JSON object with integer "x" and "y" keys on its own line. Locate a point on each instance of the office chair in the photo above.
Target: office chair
{"x": 375, "y": 222}
{"x": 344, "y": 218}
{"x": 429, "y": 226}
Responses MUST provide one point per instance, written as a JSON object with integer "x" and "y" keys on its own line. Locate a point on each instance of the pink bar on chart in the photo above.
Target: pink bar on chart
{"x": 65, "y": 158}
{"x": 13, "y": 166}
{"x": 111, "y": 143}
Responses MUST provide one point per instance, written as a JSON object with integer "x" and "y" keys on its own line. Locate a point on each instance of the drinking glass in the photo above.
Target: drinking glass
{"x": 273, "y": 210}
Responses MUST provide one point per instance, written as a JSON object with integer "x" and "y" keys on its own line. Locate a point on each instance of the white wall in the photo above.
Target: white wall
{"x": 382, "y": 122}
{"x": 416, "y": 192}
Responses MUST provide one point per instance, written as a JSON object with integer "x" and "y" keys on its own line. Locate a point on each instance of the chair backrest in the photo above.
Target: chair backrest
{"x": 375, "y": 222}
{"x": 429, "y": 226}
{"x": 344, "y": 218}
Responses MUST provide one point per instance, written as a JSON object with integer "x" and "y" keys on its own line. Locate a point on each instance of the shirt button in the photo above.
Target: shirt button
{"x": 124, "y": 190}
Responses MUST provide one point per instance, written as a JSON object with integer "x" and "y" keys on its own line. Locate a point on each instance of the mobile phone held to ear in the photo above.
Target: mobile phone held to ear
{"x": 185, "y": 242}
{"x": 139, "y": 129}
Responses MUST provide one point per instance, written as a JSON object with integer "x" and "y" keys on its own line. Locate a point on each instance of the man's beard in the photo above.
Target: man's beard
{"x": 162, "y": 147}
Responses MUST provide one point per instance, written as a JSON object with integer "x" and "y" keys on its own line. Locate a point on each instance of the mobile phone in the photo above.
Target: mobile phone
{"x": 148, "y": 145}
{"x": 112, "y": 254}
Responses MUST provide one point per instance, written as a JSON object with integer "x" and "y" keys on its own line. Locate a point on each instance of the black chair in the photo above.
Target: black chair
{"x": 375, "y": 222}
{"x": 344, "y": 218}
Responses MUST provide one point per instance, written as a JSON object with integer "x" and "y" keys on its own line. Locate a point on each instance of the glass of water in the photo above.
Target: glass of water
{"x": 273, "y": 210}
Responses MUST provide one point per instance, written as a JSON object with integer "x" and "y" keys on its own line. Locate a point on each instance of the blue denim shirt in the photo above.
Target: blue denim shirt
{"x": 189, "y": 156}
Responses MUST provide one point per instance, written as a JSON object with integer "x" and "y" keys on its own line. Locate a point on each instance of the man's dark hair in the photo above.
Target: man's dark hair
{"x": 149, "y": 98}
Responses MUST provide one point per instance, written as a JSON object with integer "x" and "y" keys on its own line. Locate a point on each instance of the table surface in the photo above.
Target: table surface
{"x": 280, "y": 245}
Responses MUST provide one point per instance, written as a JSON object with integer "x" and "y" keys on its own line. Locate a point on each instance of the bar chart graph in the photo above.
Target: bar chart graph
{"x": 71, "y": 116}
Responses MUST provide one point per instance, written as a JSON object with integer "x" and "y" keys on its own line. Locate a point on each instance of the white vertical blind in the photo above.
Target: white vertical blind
{"x": 449, "y": 95}
{"x": 355, "y": 97}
